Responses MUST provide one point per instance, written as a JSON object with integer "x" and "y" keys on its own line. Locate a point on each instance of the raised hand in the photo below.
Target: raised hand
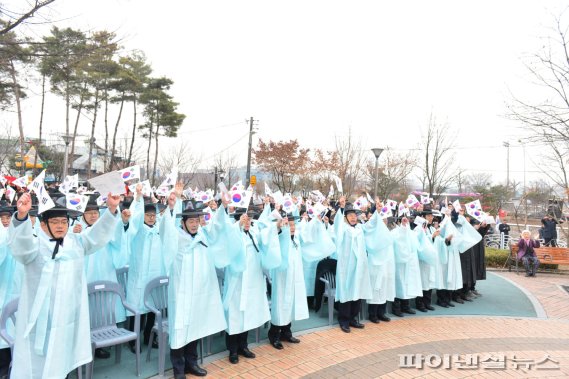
{"x": 138, "y": 191}
{"x": 77, "y": 228}
{"x": 178, "y": 189}
{"x": 125, "y": 215}
{"x": 113, "y": 202}
{"x": 342, "y": 201}
{"x": 24, "y": 205}
{"x": 172, "y": 198}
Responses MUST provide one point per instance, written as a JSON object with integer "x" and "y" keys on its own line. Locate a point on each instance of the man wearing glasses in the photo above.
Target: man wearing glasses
{"x": 52, "y": 333}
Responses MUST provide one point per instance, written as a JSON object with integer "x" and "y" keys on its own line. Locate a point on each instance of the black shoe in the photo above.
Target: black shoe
{"x": 528, "y": 274}
{"x": 384, "y": 318}
{"x": 422, "y": 309}
{"x": 450, "y": 304}
{"x": 375, "y": 320}
{"x": 442, "y": 304}
{"x": 429, "y": 307}
{"x": 345, "y": 328}
{"x": 397, "y": 313}
{"x": 195, "y": 370}
{"x": 409, "y": 311}
{"x": 102, "y": 354}
{"x": 291, "y": 339}
{"x": 476, "y": 293}
{"x": 179, "y": 376}
{"x": 458, "y": 300}
{"x": 246, "y": 353}
{"x": 277, "y": 344}
{"x": 356, "y": 324}
{"x": 233, "y": 358}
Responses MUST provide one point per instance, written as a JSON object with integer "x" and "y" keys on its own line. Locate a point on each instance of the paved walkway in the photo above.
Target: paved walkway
{"x": 428, "y": 347}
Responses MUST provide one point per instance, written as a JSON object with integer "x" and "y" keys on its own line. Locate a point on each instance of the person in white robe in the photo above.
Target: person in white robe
{"x": 382, "y": 275}
{"x": 407, "y": 270}
{"x": 195, "y": 308}
{"x": 102, "y": 264}
{"x": 354, "y": 242}
{"x": 245, "y": 290}
{"x": 310, "y": 243}
{"x": 52, "y": 327}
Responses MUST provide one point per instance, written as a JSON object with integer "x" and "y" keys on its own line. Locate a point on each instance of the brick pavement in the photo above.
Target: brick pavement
{"x": 376, "y": 350}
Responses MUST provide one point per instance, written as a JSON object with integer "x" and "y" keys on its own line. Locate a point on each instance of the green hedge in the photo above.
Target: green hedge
{"x": 497, "y": 258}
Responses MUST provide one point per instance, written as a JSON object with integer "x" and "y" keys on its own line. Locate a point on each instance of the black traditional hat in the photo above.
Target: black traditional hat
{"x": 291, "y": 217}
{"x": 92, "y": 202}
{"x": 350, "y": 209}
{"x": 60, "y": 209}
{"x": 150, "y": 206}
{"x": 192, "y": 209}
{"x": 5, "y": 207}
{"x": 241, "y": 211}
{"x": 126, "y": 202}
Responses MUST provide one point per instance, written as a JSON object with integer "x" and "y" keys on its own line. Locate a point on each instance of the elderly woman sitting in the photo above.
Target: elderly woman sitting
{"x": 526, "y": 252}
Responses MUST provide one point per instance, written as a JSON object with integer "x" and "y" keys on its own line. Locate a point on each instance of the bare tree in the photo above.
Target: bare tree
{"x": 8, "y": 148}
{"x": 547, "y": 119}
{"x": 394, "y": 170}
{"x": 437, "y": 166}
{"x": 179, "y": 156}
{"x": 478, "y": 181}
{"x": 351, "y": 162}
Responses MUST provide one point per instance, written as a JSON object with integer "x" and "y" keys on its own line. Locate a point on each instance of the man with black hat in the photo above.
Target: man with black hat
{"x": 148, "y": 258}
{"x": 245, "y": 289}
{"x": 354, "y": 242}
{"x": 102, "y": 264}
{"x": 308, "y": 243}
{"x": 195, "y": 309}
{"x": 53, "y": 332}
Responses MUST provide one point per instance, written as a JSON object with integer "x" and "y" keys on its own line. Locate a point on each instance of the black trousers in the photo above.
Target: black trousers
{"x": 376, "y": 310}
{"x": 277, "y": 332}
{"x": 184, "y": 357}
{"x": 443, "y": 296}
{"x": 348, "y": 311}
{"x": 401, "y": 304}
{"x": 146, "y": 324}
{"x": 423, "y": 301}
{"x": 235, "y": 342}
{"x": 5, "y": 359}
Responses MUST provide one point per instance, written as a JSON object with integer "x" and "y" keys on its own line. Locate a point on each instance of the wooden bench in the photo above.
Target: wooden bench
{"x": 545, "y": 254}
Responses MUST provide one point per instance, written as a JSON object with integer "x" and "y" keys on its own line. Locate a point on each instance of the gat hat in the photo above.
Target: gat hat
{"x": 350, "y": 209}
{"x": 192, "y": 209}
{"x": 241, "y": 211}
{"x": 5, "y": 207}
{"x": 60, "y": 209}
{"x": 151, "y": 207}
{"x": 92, "y": 203}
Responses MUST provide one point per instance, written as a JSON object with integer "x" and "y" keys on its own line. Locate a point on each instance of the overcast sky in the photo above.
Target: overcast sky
{"x": 313, "y": 69}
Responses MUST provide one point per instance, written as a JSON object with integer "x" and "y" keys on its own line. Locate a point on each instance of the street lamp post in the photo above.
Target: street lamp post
{"x": 525, "y": 189}
{"x": 67, "y": 140}
{"x": 507, "y": 146}
{"x": 377, "y": 152}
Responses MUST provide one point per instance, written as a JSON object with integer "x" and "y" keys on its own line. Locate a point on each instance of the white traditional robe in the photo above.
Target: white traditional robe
{"x": 288, "y": 296}
{"x": 194, "y": 301}
{"x": 52, "y": 327}
{"x": 382, "y": 267}
{"x": 245, "y": 289}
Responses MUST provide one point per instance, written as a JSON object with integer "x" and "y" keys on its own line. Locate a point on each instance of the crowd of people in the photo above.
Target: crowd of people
{"x": 218, "y": 265}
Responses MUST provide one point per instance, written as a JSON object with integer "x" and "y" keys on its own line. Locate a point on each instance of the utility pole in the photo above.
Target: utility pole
{"x": 251, "y": 132}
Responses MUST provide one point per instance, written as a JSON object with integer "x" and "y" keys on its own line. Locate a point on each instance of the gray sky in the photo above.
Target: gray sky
{"x": 313, "y": 69}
